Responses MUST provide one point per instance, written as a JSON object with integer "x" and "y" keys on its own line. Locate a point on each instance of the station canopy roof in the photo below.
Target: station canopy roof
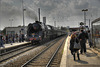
{"x": 96, "y": 20}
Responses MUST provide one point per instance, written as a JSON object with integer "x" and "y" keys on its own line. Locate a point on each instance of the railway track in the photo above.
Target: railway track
{"x": 45, "y": 57}
{"x": 11, "y": 55}
{"x": 14, "y": 53}
{"x": 13, "y": 50}
{"x": 57, "y": 59}
{"x": 10, "y": 49}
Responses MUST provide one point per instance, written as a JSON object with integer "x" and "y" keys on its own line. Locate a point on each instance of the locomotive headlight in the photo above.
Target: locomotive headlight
{"x": 39, "y": 36}
{"x": 32, "y": 35}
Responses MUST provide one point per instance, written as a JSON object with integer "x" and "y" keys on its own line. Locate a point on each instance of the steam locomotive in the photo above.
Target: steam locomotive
{"x": 38, "y": 31}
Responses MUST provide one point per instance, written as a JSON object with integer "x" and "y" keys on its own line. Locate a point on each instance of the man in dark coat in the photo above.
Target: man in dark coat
{"x": 82, "y": 37}
{"x": 1, "y": 41}
{"x": 23, "y": 38}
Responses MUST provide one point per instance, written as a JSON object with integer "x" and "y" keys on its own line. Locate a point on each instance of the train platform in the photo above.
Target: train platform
{"x": 13, "y": 45}
{"x": 90, "y": 59}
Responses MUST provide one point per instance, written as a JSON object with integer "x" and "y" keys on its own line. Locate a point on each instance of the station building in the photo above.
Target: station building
{"x": 14, "y": 30}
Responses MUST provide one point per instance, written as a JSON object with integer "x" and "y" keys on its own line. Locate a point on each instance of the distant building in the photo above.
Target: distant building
{"x": 74, "y": 29}
{"x": 14, "y": 30}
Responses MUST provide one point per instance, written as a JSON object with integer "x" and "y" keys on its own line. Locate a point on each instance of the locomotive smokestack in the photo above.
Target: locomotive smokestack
{"x": 39, "y": 13}
{"x": 44, "y": 20}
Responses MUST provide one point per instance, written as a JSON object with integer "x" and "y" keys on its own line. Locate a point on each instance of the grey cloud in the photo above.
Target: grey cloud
{"x": 9, "y": 10}
{"x": 82, "y": 5}
{"x": 7, "y": 1}
{"x": 66, "y": 11}
{"x": 63, "y": 10}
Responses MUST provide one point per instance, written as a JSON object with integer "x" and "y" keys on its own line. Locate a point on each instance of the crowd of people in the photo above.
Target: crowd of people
{"x": 81, "y": 39}
{"x": 11, "y": 38}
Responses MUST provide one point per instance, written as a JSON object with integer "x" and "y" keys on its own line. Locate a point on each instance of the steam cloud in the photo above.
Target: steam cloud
{"x": 31, "y": 14}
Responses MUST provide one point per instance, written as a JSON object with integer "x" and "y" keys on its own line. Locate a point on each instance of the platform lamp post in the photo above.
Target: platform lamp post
{"x": 23, "y": 17}
{"x": 0, "y": 14}
{"x": 23, "y": 12}
{"x": 84, "y": 10}
{"x": 23, "y": 9}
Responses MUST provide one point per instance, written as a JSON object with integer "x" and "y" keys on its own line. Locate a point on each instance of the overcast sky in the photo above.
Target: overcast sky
{"x": 64, "y": 12}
